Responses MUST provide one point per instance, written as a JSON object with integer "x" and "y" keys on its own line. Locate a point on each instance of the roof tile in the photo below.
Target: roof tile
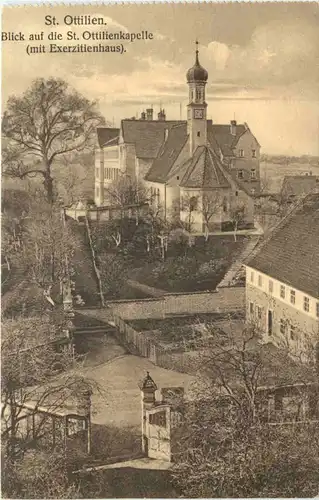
{"x": 291, "y": 255}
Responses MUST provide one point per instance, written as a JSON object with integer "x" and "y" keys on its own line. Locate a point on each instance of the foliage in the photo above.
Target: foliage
{"x": 38, "y": 247}
{"x": 113, "y": 273}
{"x": 225, "y": 447}
{"x": 260, "y": 462}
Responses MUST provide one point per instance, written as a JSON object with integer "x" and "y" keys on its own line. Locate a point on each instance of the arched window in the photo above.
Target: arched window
{"x": 198, "y": 94}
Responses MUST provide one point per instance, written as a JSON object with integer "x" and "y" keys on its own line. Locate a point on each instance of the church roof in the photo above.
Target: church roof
{"x": 290, "y": 259}
{"x": 203, "y": 170}
{"x": 147, "y": 135}
{"x": 168, "y": 153}
{"x": 221, "y": 135}
{"x": 106, "y": 135}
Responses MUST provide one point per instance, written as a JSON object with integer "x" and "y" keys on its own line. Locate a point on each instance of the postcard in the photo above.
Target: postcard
{"x": 160, "y": 250}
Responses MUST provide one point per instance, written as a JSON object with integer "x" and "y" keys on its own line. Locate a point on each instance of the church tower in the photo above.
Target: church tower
{"x": 196, "y": 109}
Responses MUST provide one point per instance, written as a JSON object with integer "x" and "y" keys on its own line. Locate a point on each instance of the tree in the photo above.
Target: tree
{"x": 46, "y": 247}
{"x": 189, "y": 206}
{"x": 126, "y": 192}
{"x": 211, "y": 205}
{"x": 226, "y": 448}
{"x": 237, "y": 214}
{"x": 48, "y": 121}
{"x": 33, "y": 371}
{"x": 113, "y": 273}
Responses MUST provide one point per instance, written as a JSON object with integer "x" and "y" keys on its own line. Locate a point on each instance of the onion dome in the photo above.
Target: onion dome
{"x": 197, "y": 73}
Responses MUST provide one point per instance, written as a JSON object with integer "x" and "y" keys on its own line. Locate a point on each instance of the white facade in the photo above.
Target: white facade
{"x": 107, "y": 170}
{"x": 284, "y": 314}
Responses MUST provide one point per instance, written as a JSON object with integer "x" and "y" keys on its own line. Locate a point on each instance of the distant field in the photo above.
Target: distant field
{"x": 275, "y": 173}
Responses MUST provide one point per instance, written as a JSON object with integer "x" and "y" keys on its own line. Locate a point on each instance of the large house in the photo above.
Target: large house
{"x": 282, "y": 280}
{"x": 191, "y": 167}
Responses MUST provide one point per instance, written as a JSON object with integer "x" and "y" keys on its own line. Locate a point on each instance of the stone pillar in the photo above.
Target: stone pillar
{"x": 148, "y": 389}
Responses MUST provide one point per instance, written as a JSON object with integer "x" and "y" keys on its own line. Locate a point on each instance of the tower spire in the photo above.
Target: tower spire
{"x": 197, "y": 51}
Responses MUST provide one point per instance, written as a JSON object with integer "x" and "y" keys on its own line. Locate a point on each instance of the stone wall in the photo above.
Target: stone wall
{"x": 225, "y": 300}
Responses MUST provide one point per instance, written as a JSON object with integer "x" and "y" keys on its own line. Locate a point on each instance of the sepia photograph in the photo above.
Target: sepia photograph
{"x": 160, "y": 250}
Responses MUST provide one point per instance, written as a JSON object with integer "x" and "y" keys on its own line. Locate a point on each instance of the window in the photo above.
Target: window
{"x": 252, "y": 276}
{"x": 253, "y": 173}
{"x": 253, "y": 153}
{"x": 282, "y": 291}
{"x": 240, "y": 174}
{"x": 193, "y": 202}
{"x": 292, "y": 296}
{"x": 225, "y": 205}
{"x": 260, "y": 280}
{"x": 198, "y": 134}
{"x": 317, "y": 309}
{"x": 259, "y": 312}
{"x": 270, "y": 322}
{"x": 306, "y": 304}
{"x": 251, "y": 308}
{"x": 271, "y": 286}
{"x": 241, "y": 153}
{"x": 293, "y": 335}
{"x": 236, "y": 193}
{"x": 177, "y": 178}
{"x": 282, "y": 326}
{"x": 158, "y": 419}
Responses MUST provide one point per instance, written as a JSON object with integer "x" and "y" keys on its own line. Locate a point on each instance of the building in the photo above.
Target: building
{"x": 194, "y": 169}
{"x": 295, "y": 186}
{"x": 282, "y": 280}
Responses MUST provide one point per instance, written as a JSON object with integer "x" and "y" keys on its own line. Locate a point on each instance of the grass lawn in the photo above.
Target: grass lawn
{"x": 199, "y": 268}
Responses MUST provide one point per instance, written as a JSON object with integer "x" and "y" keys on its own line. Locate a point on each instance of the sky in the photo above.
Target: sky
{"x": 262, "y": 61}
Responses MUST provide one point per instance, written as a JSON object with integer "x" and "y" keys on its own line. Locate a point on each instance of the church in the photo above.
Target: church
{"x": 195, "y": 170}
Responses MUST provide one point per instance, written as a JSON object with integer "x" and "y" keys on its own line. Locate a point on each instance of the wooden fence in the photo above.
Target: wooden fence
{"x": 137, "y": 343}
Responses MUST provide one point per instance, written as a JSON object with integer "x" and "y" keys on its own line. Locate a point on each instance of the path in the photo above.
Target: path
{"x": 148, "y": 290}
{"x": 120, "y": 406}
{"x": 237, "y": 265}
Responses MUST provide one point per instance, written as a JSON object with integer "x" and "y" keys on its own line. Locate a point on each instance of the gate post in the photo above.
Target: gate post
{"x": 148, "y": 389}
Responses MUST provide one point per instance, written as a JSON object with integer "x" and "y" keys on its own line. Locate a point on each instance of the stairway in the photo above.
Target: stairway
{"x": 248, "y": 252}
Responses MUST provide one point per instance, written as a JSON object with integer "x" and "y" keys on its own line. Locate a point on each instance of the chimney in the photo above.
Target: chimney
{"x": 233, "y": 126}
{"x": 161, "y": 115}
{"x": 143, "y": 115}
{"x": 149, "y": 114}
